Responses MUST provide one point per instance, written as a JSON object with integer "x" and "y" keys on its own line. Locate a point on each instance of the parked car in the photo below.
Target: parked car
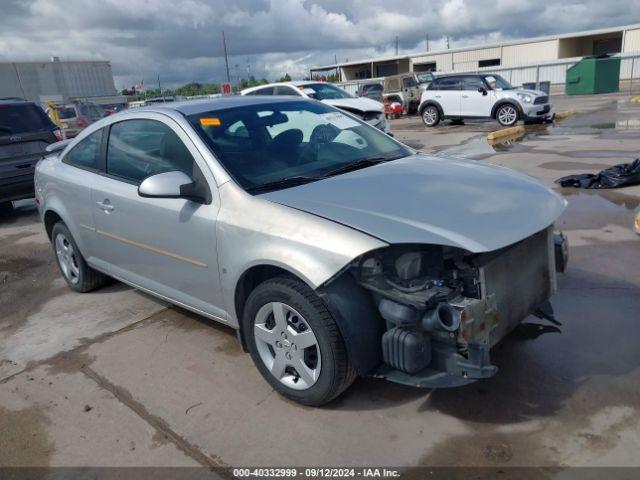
{"x": 371, "y": 111}
{"x": 74, "y": 117}
{"x": 25, "y": 132}
{"x": 331, "y": 248}
{"x": 481, "y": 96}
{"x": 403, "y": 89}
{"x": 371, "y": 90}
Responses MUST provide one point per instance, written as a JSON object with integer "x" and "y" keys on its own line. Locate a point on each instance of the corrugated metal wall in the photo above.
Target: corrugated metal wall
{"x": 33, "y": 80}
{"x": 444, "y": 61}
{"x": 476, "y": 54}
{"x": 631, "y": 41}
{"x": 529, "y": 53}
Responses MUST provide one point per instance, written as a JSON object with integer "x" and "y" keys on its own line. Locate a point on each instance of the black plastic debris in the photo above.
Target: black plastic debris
{"x": 622, "y": 175}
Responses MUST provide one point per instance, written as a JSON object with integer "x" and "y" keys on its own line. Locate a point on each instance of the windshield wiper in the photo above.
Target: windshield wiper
{"x": 358, "y": 164}
{"x": 283, "y": 183}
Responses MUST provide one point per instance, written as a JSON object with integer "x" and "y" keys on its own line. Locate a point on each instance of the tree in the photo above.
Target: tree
{"x": 286, "y": 78}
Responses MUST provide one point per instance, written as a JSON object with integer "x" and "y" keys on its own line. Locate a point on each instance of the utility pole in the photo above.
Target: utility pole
{"x": 448, "y": 48}
{"x": 160, "y": 88}
{"x": 427, "y": 38}
{"x": 396, "y": 45}
{"x": 226, "y": 58}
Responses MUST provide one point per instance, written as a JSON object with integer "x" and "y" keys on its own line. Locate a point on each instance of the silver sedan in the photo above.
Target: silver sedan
{"x": 331, "y": 248}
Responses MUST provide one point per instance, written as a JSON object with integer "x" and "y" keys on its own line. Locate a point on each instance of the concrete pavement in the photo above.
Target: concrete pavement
{"x": 118, "y": 378}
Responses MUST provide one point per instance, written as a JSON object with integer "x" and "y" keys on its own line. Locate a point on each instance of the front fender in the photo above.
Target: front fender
{"x": 254, "y": 231}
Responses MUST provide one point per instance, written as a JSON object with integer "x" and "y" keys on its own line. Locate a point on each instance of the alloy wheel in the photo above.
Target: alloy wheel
{"x": 287, "y": 345}
{"x": 430, "y": 115}
{"x": 507, "y": 115}
{"x": 67, "y": 259}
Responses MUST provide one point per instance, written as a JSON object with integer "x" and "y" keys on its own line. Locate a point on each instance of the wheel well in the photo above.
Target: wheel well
{"x": 494, "y": 112}
{"x": 427, "y": 104}
{"x": 249, "y": 281}
{"x": 50, "y": 219}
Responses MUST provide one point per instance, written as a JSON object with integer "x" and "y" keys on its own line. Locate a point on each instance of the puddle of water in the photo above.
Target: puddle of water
{"x": 590, "y": 209}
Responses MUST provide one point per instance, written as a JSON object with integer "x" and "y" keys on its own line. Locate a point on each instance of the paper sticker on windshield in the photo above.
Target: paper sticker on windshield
{"x": 308, "y": 91}
{"x": 210, "y": 122}
{"x": 490, "y": 79}
{"x": 340, "y": 120}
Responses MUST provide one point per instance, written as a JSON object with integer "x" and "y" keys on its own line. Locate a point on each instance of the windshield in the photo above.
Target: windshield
{"x": 91, "y": 111}
{"x": 424, "y": 77}
{"x": 497, "y": 82}
{"x": 65, "y": 113}
{"x": 265, "y": 143}
{"x": 326, "y": 91}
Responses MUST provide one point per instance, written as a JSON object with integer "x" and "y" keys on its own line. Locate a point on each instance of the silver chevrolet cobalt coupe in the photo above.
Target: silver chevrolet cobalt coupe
{"x": 331, "y": 248}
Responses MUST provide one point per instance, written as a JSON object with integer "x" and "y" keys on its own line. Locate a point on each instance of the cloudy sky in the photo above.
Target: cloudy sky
{"x": 181, "y": 39}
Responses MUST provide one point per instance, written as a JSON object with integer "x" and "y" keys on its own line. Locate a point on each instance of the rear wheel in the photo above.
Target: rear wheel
{"x": 5, "y": 207}
{"x": 430, "y": 116}
{"x": 78, "y": 275}
{"x": 295, "y": 343}
{"x": 507, "y": 115}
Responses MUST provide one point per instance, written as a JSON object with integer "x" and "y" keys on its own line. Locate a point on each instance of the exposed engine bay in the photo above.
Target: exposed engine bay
{"x": 444, "y": 308}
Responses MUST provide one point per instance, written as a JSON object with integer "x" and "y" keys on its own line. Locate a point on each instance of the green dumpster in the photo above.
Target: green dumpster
{"x": 597, "y": 74}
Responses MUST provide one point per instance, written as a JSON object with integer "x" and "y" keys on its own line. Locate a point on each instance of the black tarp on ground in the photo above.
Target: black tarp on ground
{"x": 622, "y": 175}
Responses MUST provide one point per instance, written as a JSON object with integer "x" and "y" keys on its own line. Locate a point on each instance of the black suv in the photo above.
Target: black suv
{"x": 25, "y": 132}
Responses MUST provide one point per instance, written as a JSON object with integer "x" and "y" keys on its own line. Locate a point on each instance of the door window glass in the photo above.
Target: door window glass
{"x": 451, "y": 83}
{"x": 472, "y": 83}
{"x": 140, "y": 148}
{"x": 409, "y": 82}
{"x": 86, "y": 154}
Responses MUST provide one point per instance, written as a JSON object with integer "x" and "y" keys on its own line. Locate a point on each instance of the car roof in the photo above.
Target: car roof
{"x": 453, "y": 75}
{"x": 292, "y": 83}
{"x": 194, "y": 107}
{"x": 15, "y": 101}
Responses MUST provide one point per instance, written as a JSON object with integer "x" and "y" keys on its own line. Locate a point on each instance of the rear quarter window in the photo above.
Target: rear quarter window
{"x": 86, "y": 154}
{"x": 23, "y": 118}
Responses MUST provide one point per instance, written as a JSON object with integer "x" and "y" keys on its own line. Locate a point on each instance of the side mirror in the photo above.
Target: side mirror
{"x": 482, "y": 90}
{"x": 170, "y": 185}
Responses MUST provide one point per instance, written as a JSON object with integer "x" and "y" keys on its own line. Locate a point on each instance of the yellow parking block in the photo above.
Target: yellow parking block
{"x": 565, "y": 114}
{"x": 506, "y": 132}
{"x": 635, "y": 100}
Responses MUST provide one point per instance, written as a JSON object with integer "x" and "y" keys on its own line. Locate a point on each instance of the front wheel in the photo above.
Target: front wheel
{"x": 507, "y": 115}
{"x": 430, "y": 116}
{"x": 295, "y": 342}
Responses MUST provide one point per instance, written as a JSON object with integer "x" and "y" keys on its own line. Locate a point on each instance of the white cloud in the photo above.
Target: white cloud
{"x": 181, "y": 39}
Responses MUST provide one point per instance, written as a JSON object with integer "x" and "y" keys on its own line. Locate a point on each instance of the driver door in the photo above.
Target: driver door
{"x": 166, "y": 245}
{"x": 475, "y": 103}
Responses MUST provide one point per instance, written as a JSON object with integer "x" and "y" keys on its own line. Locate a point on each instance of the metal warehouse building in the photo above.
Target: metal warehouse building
{"x": 56, "y": 80}
{"x": 529, "y": 60}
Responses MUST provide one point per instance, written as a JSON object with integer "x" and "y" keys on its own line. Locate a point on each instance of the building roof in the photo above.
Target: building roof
{"x": 475, "y": 47}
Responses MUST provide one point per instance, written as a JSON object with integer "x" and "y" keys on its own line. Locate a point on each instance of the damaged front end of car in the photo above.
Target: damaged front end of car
{"x": 439, "y": 310}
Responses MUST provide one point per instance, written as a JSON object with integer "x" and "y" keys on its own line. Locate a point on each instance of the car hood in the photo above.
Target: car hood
{"x": 534, "y": 93}
{"x": 360, "y": 104}
{"x": 435, "y": 200}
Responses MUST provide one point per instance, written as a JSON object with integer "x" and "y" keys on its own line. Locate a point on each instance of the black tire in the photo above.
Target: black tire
{"x": 86, "y": 278}
{"x": 430, "y": 116}
{"x": 336, "y": 373}
{"x": 507, "y": 111}
{"x": 6, "y": 207}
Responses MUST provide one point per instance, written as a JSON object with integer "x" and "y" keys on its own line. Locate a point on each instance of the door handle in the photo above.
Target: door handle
{"x": 437, "y": 96}
{"x": 105, "y": 206}
{"x": 465, "y": 96}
